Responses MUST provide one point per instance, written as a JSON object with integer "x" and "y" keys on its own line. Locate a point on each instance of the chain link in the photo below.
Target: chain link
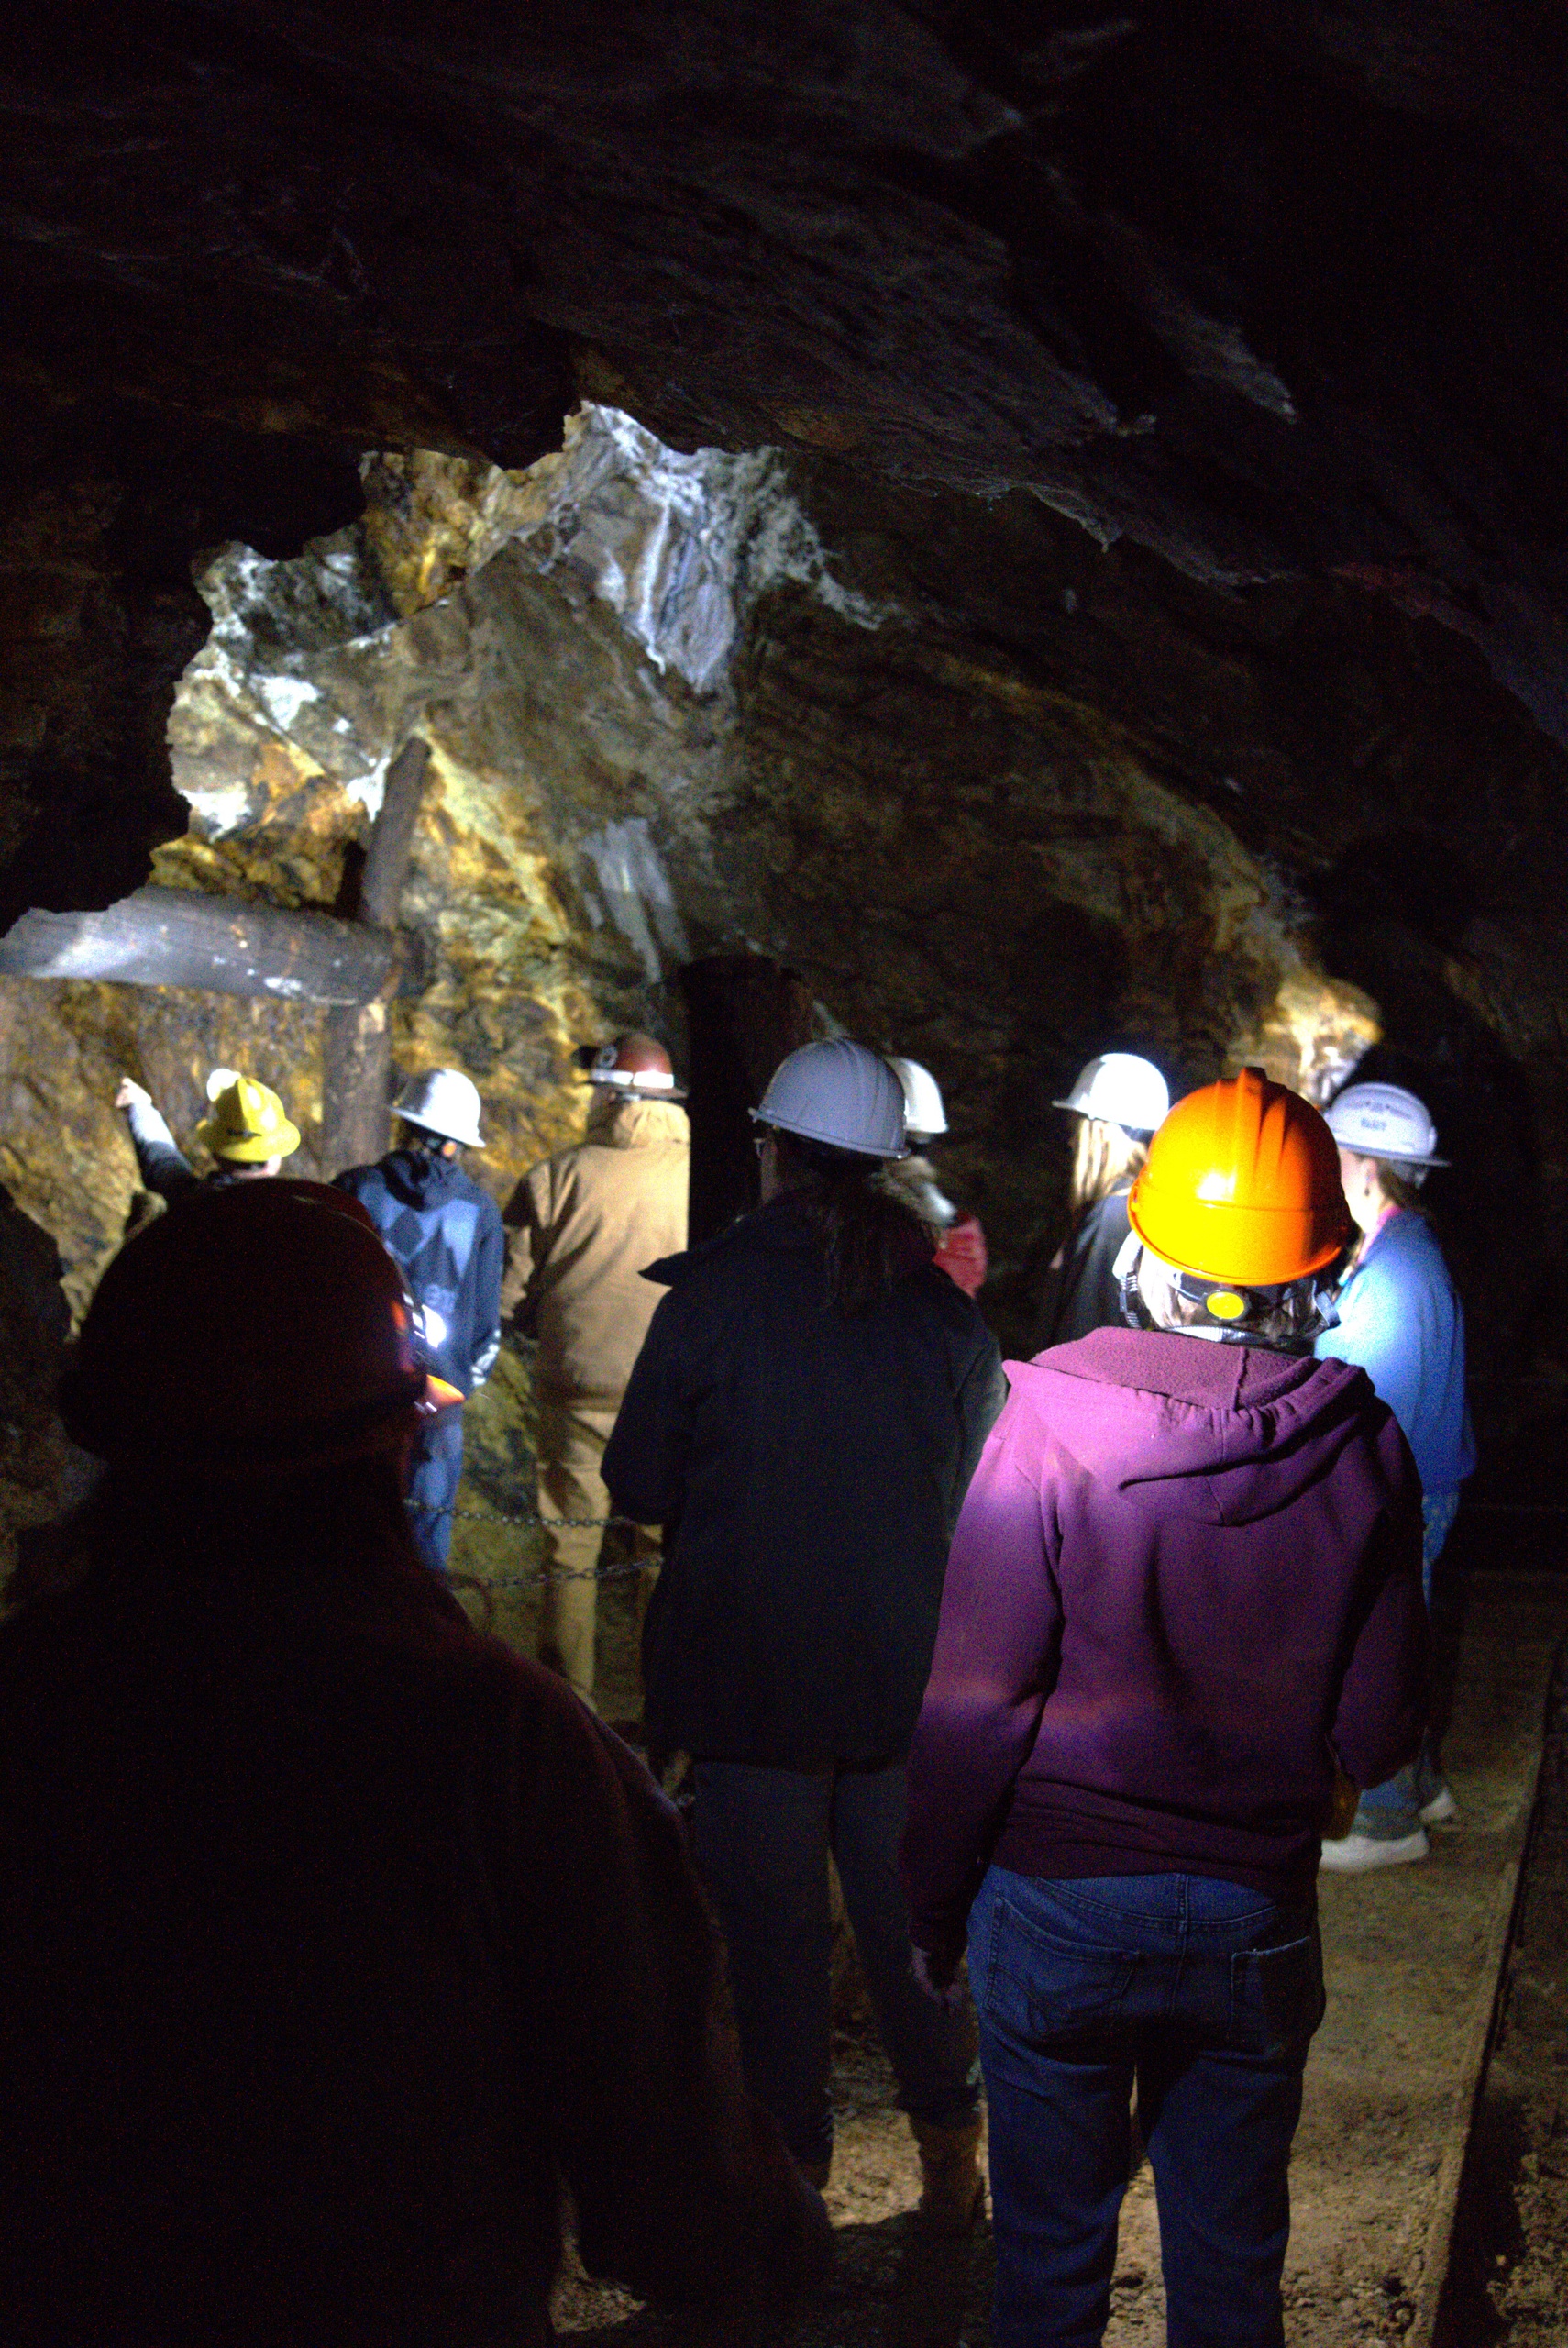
{"x": 551, "y": 1573}
{"x": 532, "y": 1520}
{"x": 483, "y": 1516}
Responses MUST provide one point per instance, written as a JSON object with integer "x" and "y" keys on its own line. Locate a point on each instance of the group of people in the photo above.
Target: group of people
{"x": 1393, "y": 1312}
{"x": 566, "y": 1274}
{"x": 334, "y": 1932}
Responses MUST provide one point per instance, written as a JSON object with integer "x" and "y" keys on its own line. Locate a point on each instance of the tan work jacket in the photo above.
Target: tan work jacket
{"x": 585, "y": 1226}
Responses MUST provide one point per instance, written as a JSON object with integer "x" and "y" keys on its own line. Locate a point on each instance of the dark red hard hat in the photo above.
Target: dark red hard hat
{"x": 633, "y": 1063}
{"x": 257, "y": 1328}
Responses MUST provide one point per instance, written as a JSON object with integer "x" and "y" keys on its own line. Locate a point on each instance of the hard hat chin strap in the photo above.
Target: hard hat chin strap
{"x": 1286, "y": 1316}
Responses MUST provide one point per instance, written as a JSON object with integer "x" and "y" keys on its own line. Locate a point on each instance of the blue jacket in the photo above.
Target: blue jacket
{"x": 1401, "y": 1321}
{"x": 447, "y": 1234}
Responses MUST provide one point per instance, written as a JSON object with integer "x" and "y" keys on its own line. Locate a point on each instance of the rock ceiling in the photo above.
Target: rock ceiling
{"x": 1270, "y": 288}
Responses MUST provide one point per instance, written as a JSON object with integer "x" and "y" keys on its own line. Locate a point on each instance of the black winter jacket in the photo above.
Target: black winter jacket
{"x": 1085, "y": 1294}
{"x": 813, "y": 1463}
{"x": 447, "y": 1234}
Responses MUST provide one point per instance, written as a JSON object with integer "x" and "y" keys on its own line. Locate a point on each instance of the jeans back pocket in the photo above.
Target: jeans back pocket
{"x": 1042, "y": 1986}
{"x": 1276, "y": 1997}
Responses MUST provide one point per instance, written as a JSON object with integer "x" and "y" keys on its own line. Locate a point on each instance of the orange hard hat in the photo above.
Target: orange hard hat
{"x": 258, "y": 1329}
{"x": 1243, "y": 1185}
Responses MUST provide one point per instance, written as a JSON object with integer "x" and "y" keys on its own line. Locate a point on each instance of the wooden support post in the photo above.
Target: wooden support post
{"x": 180, "y": 937}
{"x": 356, "y": 1057}
{"x": 744, "y": 1014}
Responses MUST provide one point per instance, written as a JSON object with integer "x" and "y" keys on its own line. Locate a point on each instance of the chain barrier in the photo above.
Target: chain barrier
{"x": 485, "y": 1516}
{"x": 532, "y": 1520}
{"x": 555, "y": 1573}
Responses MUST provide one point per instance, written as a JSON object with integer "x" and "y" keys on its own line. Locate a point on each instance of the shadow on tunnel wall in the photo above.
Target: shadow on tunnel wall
{"x": 1393, "y": 915}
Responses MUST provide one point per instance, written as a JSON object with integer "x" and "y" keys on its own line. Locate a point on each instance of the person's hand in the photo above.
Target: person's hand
{"x": 945, "y": 1993}
{"x": 132, "y": 1095}
{"x": 1342, "y": 1804}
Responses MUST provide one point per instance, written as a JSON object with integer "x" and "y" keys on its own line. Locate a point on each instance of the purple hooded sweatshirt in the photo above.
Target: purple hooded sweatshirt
{"x": 1182, "y": 1572}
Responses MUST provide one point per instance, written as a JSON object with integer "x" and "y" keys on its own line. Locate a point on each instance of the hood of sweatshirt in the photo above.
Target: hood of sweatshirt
{"x": 1224, "y": 1434}
{"x": 421, "y": 1178}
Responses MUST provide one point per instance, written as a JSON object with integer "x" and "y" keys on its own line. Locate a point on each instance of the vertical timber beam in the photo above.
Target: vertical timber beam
{"x": 744, "y": 1014}
{"x": 356, "y": 1057}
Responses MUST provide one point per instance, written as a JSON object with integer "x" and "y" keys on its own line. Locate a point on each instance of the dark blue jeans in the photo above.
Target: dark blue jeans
{"x": 1207, "y": 1995}
{"x": 761, "y": 1839}
{"x": 434, "y": 1471}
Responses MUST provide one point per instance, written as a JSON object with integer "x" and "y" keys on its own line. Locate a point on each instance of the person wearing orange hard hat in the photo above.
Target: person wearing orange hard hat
{"x": 248, "y": 1134}
{"x": 334, "y": 1936}
{"x": 1183, "y": 1596}
{"x": 585, "y": 1225}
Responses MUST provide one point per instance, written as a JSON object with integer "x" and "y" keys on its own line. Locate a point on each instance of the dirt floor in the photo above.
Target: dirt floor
{"x": 1411, "y": 1955}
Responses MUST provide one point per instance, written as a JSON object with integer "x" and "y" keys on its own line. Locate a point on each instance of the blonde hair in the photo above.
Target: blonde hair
{"x": 1104, "y": 1158}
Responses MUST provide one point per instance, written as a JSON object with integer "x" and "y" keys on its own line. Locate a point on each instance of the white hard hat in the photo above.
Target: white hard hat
{"x": 1121, "y": 1090}
{"x": 924, "y": 1116}
{"x": 838, "y": 1093}
{"x": 1383, "y": 1121}
{"x": 443, "y": 1102}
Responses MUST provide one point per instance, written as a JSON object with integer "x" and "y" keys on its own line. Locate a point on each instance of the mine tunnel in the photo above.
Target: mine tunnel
{"x": 1004, "y": 536}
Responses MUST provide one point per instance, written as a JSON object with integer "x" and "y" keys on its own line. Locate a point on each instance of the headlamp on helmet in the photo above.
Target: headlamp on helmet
{"x": 1285, "y": 1315}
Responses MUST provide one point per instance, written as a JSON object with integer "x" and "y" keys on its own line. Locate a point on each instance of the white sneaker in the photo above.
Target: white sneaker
{"x": 1359, "y": 1854}
{"x": 1439, "y": 1809}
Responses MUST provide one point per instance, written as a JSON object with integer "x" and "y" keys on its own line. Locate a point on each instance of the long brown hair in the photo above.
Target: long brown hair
{"x": 1398, "y": 1187}
{"x": 871, "y": 1235}
{"x": 1104, "y": 1158}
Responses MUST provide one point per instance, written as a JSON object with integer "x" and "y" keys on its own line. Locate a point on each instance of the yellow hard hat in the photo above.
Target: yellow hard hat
{"x": 248, "y": 1123}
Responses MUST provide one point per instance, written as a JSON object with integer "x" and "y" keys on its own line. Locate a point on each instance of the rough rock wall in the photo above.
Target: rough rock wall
{"x": 1002, "y": 796}
{"x": 664, "y": 721}
{"x": 101, "y": 510}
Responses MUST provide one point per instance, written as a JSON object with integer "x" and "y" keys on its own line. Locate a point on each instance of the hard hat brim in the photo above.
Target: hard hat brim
{"x": 648, "y": 1082}
{"x": 1097, "y": 1117}
{"x": 828, "y": 1141}
{"x": 250, "y": 1149}
{"x": 1389, "y": 1157}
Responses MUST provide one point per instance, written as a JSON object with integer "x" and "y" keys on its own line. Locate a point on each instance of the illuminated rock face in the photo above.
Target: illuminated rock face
{"x": 666, "y": 721}
{"x": 1004, "y": 799}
